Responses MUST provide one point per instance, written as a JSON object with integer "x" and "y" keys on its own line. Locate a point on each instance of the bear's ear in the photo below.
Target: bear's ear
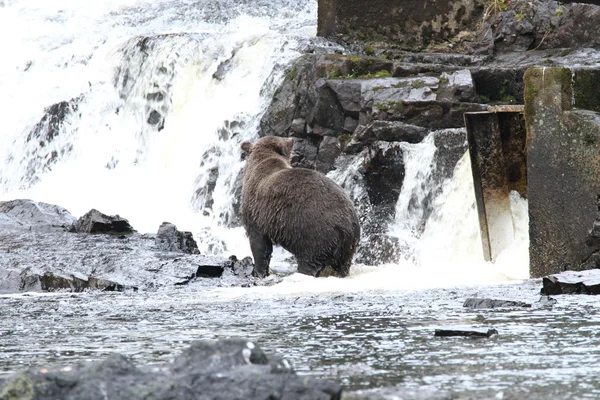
{"x": 288, "y": 145}
{"x": 247, "y": 147}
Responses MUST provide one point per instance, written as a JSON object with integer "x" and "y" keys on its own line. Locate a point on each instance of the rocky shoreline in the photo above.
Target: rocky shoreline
{"x": 44, "y": 248}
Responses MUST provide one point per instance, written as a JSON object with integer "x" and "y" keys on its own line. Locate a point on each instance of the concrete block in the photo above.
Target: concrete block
{"x": 563, "y": 169}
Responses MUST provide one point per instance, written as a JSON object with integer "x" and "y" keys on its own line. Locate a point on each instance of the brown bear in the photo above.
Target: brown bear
{"x": 300, "y": 209}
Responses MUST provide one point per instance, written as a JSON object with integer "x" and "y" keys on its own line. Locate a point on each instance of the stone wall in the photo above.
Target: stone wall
{"x": 467, "y": 26}
{"x": 408, "y": 23}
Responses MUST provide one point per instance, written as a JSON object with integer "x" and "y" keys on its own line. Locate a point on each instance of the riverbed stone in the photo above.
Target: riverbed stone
{"x": 572, "y": 282}
{"x": 478, "y": 303}
{"x": 474, "y": 333}
{"x": 225, "y": 369}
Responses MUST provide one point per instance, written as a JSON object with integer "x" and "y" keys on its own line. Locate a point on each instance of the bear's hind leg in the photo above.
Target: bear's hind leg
{"x": 308, "y": 267}
{"x": 262, "y": 248}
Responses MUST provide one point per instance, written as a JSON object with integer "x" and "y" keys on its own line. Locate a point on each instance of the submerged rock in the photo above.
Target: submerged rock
{"x": 572, "y": 282}
{"x": 95, "y": 222}
{"x": 478, "y": 304}
{"x": 468, "y": 333}
{"x": 226, "y": 369}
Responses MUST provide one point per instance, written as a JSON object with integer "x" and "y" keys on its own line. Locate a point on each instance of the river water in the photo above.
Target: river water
{"x": 161, "y": 94}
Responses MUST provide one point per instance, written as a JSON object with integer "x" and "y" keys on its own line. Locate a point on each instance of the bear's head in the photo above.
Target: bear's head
{"x": 268, "y": 145}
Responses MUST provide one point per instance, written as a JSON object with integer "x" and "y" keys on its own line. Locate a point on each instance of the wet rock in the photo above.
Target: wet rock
{"x": 43, "y": 149}
{"x": 95, "y": 222}
{"x": 547, "y": 301}
{"x": 383, "y": 171}
{"x": 388, "y": 131}
{"x": 224, "y": 67}
{"x": 329, "y": 150}
{"x": 478, "y": 304}
{"x": 37, "y": 253}
{"x": 227, "y": 369}
{"x": 243, "y": 267}
{"x": 294, "y": 99}
{"x": 304, "y": 153}
{"x": 29, "y": 214}
{"x": 51, "y": 123}
{"x": 169, "y": 238}
{"x": 380, "y": 248}
{"x": 50, "y": 282}
{"x": 513, "y": 32}
{"x": 572, "y": 282}
{"x": 467, "y": 333}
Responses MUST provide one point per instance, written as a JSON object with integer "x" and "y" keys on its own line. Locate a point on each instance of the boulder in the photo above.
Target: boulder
{"x": 572, "y": 282}
{"x": 95, "y": 222}
{"x": 478, "y": 304}
{"x": 169, "y": 238}
{"x": 29, "y": 214}
{"x": 243, "y": 267}
{"x": 226, "y": 369}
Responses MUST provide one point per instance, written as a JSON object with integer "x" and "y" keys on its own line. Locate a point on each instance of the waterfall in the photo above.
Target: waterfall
{"x": 138, "y": 108}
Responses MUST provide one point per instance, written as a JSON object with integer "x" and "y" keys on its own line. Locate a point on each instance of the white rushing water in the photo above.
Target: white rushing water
{"x": 163, "y": 93}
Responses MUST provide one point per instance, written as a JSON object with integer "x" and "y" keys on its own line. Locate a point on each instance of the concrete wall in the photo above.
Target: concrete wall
{"x": 563, "y": 167}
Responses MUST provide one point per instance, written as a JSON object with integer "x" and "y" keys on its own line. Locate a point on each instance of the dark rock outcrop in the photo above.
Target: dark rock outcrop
{"x": 468, "y": 333}
{"x": 227, "y": 369}
{"x": 169, "y": 238}
{"x": 95, "y": 222}
{"x": 478, "y": 304}
{"x": 572, "y": 282}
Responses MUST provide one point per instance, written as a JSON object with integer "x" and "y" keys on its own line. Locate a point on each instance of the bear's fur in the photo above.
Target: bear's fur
{"x": 300, "y": 209}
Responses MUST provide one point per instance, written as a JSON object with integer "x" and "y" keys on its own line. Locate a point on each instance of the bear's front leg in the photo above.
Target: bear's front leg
{"x": 262, "y": 248}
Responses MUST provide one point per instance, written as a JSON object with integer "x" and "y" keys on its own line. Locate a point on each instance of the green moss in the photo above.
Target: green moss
{"x": 354, "y": 58}
{"x": 344, "y": 138}
{"x": 381, "y": 107}
{"x": 494, "y": 7}
{"x": 484, "y": 99}
{"x": 335, "y": 73}
{"x": 417, "y": 84}
{"x": 369, "y": 50}
{"x": 443, "y": 80}
{"x": 586, "y": 89}
{"x": 520, "y": 16}
{"x": 382, "y": 74}
{"x": 291, "y": 73}
{"x": 558, "y": 12}
{"x": 19, "y": 388}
